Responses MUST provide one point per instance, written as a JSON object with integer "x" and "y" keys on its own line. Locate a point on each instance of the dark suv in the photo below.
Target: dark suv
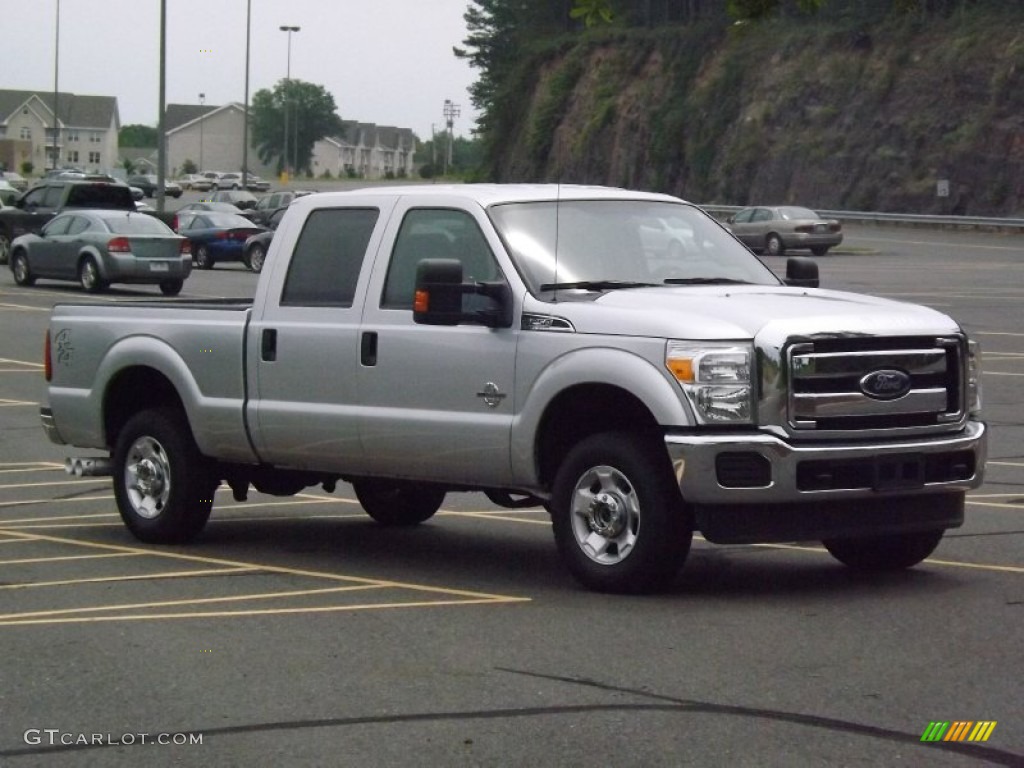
{"x": 51, "y": 196}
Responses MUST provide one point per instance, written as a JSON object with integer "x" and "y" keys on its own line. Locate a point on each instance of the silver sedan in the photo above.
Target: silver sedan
{"x": 100, "y": 247}
{"x": 775, "y": 229}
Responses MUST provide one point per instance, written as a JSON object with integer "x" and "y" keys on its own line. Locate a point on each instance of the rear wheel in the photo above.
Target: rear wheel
{"x": 22, "y": 273}
{"x": 257, "y": 255}
{"x": 89, "y": 275}
{"x": 171, "y": 287}
{"x": 774, "y": 246}
{"x": 164, "y": 487}
{"x": 884, "y": 553}
{"x": 820, "y": 250}
{"x": 5, "y": 247}
{"x": 204, "y": 260}
{"x": 619, "y": 520}
{"x": 398, "y": 503}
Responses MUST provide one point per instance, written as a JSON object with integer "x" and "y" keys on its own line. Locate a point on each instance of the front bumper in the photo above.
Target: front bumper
{"x": 758, "y": 487}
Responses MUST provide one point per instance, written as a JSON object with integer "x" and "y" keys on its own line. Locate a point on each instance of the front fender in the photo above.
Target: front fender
{"x": 632, "y": 372}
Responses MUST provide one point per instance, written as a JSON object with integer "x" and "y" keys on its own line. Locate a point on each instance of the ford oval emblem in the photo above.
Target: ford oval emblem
{"x": 885, "y": 384}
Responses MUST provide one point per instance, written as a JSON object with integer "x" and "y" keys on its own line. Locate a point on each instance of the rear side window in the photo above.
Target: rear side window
{"x": 328, "y": 256}
{"x": 100, "y": 196}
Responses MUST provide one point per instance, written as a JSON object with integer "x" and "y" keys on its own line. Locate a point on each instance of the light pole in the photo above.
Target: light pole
{"x": 451, "y": 111}
{"x": 202, "y": 122}
{"x": 56, "y": 70}
{"x": 245, "y": 117}
{"x": 287, "y": 95}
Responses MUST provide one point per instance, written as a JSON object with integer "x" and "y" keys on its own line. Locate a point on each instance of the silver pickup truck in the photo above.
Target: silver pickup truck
{"x": 615, "y": 356}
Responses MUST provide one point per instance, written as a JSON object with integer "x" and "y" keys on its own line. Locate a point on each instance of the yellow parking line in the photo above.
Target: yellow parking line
{"x": 13, "y": 403}
{"x": 497, "y": 599}
{"x": 949, "y": 563}
{"x": 86, "y": 481}
{"x": 137, "y": 577}
{"x": 1005, "y": 463}
{"x": 25, "y": 307}
{"x": 269, "y": 568}
{"x": 1001, "y": 373}
{"x": 496, "y": 516}
{"x": 45, "y": 464}
{"x": 21, "y": 362}
{"x": 995, "y": 504}
{"x": 5, "y": 617}
{"x": 68, "y": 557}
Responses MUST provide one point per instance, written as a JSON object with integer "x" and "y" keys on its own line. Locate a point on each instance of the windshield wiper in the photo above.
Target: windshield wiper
{"x": 594, "y": 285}
{"x": 703, "y": 281}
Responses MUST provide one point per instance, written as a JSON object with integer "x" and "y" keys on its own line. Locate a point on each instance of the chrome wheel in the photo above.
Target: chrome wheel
{"x": 22, "y": 273}
{"x": 256, "y": 257}
{"x": 147, "y": 477}
{"x": 89, "y": 276}
{"x": 605, "y": 515}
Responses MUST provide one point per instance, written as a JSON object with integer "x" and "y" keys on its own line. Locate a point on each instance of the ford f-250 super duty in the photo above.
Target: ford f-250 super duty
{"x": 615, "y": 356}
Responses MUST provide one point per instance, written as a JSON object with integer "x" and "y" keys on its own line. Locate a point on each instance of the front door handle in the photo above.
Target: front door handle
{"x": 368, "y": 348}
{"x": 268, "y": 345}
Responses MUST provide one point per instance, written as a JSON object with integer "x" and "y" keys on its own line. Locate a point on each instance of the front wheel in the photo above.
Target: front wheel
{"x": 884, "y": 553}
{"x": 164, "y": 487}
{"x": 22, "y": 273}
{"x": 398, "y": 503}
{"x": 257, "y": 255}
{"x": 620, "y": 522}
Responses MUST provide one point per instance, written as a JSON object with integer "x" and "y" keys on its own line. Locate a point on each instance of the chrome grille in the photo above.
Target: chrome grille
{"x": 828, "y": 390}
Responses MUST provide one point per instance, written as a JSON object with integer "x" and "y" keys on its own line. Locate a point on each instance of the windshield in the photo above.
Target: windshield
{"x": 604, "y": 244}
{"x": 136, "y": 224}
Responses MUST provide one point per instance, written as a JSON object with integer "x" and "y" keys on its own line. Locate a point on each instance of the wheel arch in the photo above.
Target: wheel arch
{"x": 136, "y": 389}
{"x": 583, "y": 410}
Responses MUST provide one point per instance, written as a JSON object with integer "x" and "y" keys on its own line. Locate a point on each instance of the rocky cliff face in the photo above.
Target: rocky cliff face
{"x": 832, "y": 117}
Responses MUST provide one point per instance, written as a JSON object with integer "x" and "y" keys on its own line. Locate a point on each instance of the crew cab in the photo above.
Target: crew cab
{"x": 546, "y": 345}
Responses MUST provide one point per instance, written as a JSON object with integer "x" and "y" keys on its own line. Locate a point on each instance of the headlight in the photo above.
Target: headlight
{"x": 716, "y": 378}
{"x": 973, "y": 378}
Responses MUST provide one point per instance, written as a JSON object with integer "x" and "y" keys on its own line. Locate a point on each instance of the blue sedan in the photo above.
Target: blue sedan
{"x": 216, "y": 236}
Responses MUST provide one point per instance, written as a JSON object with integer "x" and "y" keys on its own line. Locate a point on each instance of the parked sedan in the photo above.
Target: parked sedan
{"x": 100, "y": 247}
{"x": 239, "y": 198}
{"x": 216, "y": 236}
{"x": 16, "y": 180}
{"x": 195, "y": 181}
{"x": 149, "y": 185}
{"x": 267, "y": 205}
{"x": 256, "y": 247}
{"x": 774, "y": 229}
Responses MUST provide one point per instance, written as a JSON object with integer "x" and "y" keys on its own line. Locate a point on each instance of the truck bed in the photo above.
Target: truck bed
{"x": 201, "y": 352}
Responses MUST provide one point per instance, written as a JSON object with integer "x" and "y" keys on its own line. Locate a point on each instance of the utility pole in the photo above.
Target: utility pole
{"x": 451, "y": 111}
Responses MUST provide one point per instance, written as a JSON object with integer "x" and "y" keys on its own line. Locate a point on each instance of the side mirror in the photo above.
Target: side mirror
{"x": 801, "y": 272}
{"x": 439, "y": 293}
{"x": 438, "y": 296}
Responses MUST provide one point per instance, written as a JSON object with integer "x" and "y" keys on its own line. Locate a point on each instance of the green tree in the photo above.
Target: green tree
{"x": 592, "y": 12}
{"x": 136, "y": 135}
{"x": 189, "y": 166}
{"x": 312, "y": 114}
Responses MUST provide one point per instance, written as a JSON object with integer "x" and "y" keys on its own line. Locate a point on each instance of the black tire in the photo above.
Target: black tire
{"x": 164, "y": 487}
{"x": 819, "y": 250}
{"x": 89, "y": 275}
{"x": 255, "y": 258}
{"x": 398, "y": 503}
{"x": 774, "y": 246}
{"x": 884, "y": 553}
{"x": 171, "y": 287}
{"x": 620, "y": 523}
{"x": 21, "y": 270}
{"x": 5, "y": 247}
{"x": 203, "y": 258}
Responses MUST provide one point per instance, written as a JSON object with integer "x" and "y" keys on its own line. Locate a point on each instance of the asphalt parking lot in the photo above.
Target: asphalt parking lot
{"x": 297, "y": 632}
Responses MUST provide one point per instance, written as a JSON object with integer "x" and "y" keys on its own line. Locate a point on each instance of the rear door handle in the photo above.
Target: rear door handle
{"x": 368, "y": 348}
{"x": 268, "y": 345}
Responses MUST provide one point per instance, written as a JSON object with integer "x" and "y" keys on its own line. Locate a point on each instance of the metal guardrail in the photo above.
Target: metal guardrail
{"x": 900, "y": 219}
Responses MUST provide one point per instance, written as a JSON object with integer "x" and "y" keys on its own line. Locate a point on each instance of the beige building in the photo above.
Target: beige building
{"x": 211, "y": 137}
{"x": 87, "y": 129}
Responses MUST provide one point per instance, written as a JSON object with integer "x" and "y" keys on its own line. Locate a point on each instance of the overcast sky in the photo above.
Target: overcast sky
{"x": 388, "y": 62}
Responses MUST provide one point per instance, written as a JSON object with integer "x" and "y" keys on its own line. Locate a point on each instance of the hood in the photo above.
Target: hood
{"x": 744, "y": 312}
